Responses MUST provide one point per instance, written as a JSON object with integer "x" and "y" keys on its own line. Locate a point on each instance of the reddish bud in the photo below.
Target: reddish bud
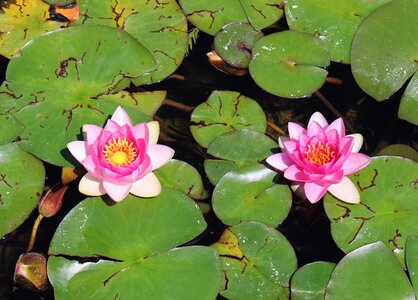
{"x": 217, "y": 62}
{"x": 30, "y": 272}
{"x": 51, "y": 202}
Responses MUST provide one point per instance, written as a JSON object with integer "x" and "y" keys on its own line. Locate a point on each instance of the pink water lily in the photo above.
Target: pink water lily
{"x": 319, "y": 158}
{"x": 120, "y": 158}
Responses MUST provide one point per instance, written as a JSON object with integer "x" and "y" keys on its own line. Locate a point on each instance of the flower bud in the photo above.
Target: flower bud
{"x": 51, "y": 202}
{"x": 30, "y": 272}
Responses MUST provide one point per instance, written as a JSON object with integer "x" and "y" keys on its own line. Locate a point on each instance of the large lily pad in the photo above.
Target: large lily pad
{"x": 59, "y": 88}
{"x": 411, "y": 257}
{"x": 160, "y": 26}
{"x": 388, "y": 210}
{"x": 385, "y": 49}
{"x": 409, "y": 107}
{"x": 10, "y": 126}
{"x": 289, "y": 63}
{"x": 249, "y": 193}
{"x": 126, "y": 250}
{"x": 225, "y": 111}
{"x": 334, "y": 24}
{"x": 370, "y": 272}
{"x": 20, "y": 190}
{"x": 22, "y": 21}
{"x": 211, "y": 15}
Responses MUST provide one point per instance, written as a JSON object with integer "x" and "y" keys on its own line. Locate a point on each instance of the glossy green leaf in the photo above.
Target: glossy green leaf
{"x": 411, "y": 257}
{"x": 289, "y": 64}
{"x": 370, "y": 272}
{"x": 385, "y": 47}
{"x": 400, "y": 150}
{"x": 409, "y": 102}
{"x": 181, "y": 176}
{"x": 21, "y": 22}
{"x": 249, "y": 193}
{"x": 310, "y": 281}
{"x": 20, "y": 190}
{"x": 127, "y": 250}
{"x": 211, "y": 15}
{"x": 388, "y": 210}
{"x": 160, "y": 26}
{"x": 216, "y": 168}
{"x": 59, "y": 88}
{"x": 334, "y": 22}
{"x": 223, "y": 112}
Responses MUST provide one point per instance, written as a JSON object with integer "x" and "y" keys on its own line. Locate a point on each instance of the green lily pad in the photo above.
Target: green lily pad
{"x": 59, "y": 87}
{"x": 411, "y": 257}
{"x": 22, "y": 21}
{"x": 181, "y": 176}
{"x": 210, "y": 16}
{"x": 215, "y": 169}
{"x": 310, "y": 281}
{"x": 409, "y": 107}
{"x": 388, "y": 210}
{"x": 126, "y": 250}
{"x": 20, "y": 190}
{"x": 370, "y": 272}
{"x": 334, "y": 24}
{"x": 289, "y": 64}
{"x": 400, "y": 150}
{"x": 384, "y": 52}
{"x": 160, "y": 26}
{"x": 261, "y": 268}
{"x": 249, "y": 193}
{"x": 11, "y": 127}
{"x": 60, "y": 2}
{"x": 225, "y": 111}
{"x": 234, "y": 42}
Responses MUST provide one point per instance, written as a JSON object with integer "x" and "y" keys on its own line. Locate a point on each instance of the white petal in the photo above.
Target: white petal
{"x": 159, "y": 155}
{"x": 148, "y": 186}
{"x": 345, "y": 191}
{"x": 91, "y": 186}
{"x": 121, "y": 117}
{"x": 283, "y": 139}
{"x": 78, "y": 149}
{"x": 115, "y": 191}
{"x": 358, "y": 142}
{"x": 318, "y": 118}
{"x": 153, "y": 131}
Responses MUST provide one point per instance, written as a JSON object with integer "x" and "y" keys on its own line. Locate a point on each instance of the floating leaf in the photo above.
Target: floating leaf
{"x": 388, "y": 210}
{"x": 370, "y": 272}
{"x": 127, "y": 251}
{"x": 10, "y": 128}
{"x": 22, "y": 21}
{"x": 20, "y": 190}
{"x": 399, "y": 150}
{"x": 288, "y": 64}
{"x": 408, "y": 107}
{"x": 384, "y": 50}
{"x": 223, "y": 112}
{"x": 216, "y": 168}
{"x": 310, "y": 281}
{"x": 334, "y": 24}
{"x": 59, "y": 87}
{"x": 210, "y": 16}
{"x": 411, "y": 257}
{"x": 249, "y": 193}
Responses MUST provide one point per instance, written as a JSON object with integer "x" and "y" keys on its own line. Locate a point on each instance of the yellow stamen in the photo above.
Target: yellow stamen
{"x": 119, "y": 152}
{"x": 319, "y": 154}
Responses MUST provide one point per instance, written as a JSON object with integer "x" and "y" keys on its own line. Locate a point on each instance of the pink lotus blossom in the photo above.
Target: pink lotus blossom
{"x": 120, "y": 158}
{"x": 319, "y": 158}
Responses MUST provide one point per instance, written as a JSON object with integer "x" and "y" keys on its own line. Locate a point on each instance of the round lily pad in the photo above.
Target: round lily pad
{"x": 399, "y": 150}
{"x": 59, "y": 88}
{"x": 215, "y": 169}
{"x": 11, "y": 127}
{"x": 409, "y": 107}
{"x": 334, "y": 24}
{"x": 289, "y": 64}
{"x": 384, "y": 50}
{"x": 20, "y": 190}
{"x": 370, "y": 272}
{"x": 411, "y": 257}
{"x": 160, "y": 26}
{"x": 128, "y": 250}
{"x": 249, "y": 193}
{"x": 223, "y": 112}
{"x": 388, "y": 210}
{"x": 234, "y": 42}
{"x": 210, "y": 16}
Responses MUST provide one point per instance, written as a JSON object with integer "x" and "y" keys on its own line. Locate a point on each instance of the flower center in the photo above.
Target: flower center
{"x": 119, "y": 152}
{"x": 319, "y": 154}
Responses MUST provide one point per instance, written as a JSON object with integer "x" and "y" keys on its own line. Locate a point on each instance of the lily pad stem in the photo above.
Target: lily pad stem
{"x": 34, "y": 232}
{"x": 334, "y": 80}
{"x": 178, "y": 105}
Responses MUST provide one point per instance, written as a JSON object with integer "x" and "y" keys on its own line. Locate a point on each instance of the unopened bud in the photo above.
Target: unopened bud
{"x": 30, "y": 272}
{"x": 51, "y": 202}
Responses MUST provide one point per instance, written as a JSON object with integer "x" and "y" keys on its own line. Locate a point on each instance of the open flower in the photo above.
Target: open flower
{"x": 320, "y": 157}
{"x": 120, "y": 158}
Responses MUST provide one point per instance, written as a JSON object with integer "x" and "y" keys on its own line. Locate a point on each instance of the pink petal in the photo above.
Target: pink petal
{"x": 115, "y": 191}
{"x": 91, "y": 186}
{"x": 314, "y": 129}
{"x": 159, "y": 155}
{"x": 345, "y": 191}
{"x": 358, "y": 141}
{"x": 355, "y": 162}
{"x": 334, "y": 178}
{"x": 295, "y": 130}
{"x": 290, "y": 146}
{"x": 337, "y": 125}
{"x": 295, "y": 173}
{"x": 78, "y": 149}
{"x": 283, "y": 139}
{"x": 318, "y": 118}
{"x": 314, "y": 192}
{"x": 148, "y": 186}
{"x": 92, "y": 133}
{"x": 154, "y": 132}
{"x": 140, "y": 131}
{"x": 333, "y": 138}
{"x": 280, "y": 161}
{"x": 111, "y": 126}
{"x": 121, "y": 117}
